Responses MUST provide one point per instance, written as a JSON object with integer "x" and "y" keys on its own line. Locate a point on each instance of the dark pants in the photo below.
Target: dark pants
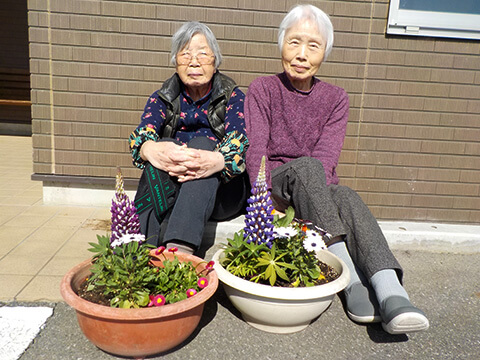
{"x": 197, "y": 202}
{"x": 338, "y": 209}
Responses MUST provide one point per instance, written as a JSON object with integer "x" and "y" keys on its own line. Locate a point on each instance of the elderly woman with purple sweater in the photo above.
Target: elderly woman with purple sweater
{"x": 298, "y": 122}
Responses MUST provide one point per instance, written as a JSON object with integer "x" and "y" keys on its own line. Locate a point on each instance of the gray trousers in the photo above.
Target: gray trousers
{"x": 338, "y": 209}
{"x": 197, "y": 202}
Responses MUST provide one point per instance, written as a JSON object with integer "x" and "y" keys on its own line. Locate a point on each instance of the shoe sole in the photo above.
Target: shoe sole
{"x": 406, "y": 323}
{"x": 364, "y": 319}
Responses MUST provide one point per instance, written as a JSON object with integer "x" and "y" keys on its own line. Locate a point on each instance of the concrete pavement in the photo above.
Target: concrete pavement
{"x": 446, "y": 286}
{"x": 40, "y": 243}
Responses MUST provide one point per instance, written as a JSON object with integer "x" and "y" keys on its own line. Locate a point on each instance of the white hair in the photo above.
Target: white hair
{"x": 308, "y": 12}
{"x": 186, "y": 32}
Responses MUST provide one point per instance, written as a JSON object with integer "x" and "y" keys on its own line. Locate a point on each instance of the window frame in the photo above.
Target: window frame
{"x": 432, "y": 23}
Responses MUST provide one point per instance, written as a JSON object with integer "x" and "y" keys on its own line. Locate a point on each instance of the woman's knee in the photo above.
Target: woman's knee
{"x": 307, "y": 162}
{"x": 202, "y": 143}
{"x": 309, "y": 171}
{"x": 300, "y": 176}
{"x": 170, "y": 140}
{"x": 306, "y": 169}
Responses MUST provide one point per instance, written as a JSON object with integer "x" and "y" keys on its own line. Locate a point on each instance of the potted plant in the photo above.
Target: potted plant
{"x": 132, "y": 299}
{"x": 277, "y": 271}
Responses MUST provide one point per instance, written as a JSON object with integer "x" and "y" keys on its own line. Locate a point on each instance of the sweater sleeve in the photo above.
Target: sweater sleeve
{"x": 257, "y": 121}
{"x": 330, "y": 143}
{"x": 151, "y": 122}
{"x": 235, "y": 143}
{"x": 233, "y": 148}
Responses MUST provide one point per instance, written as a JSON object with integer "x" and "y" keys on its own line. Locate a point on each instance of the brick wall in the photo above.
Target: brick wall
{"x": 412, "y": 149}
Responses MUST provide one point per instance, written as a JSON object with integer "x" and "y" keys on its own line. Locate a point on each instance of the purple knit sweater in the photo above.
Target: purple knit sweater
{"x": 284, "y": 124}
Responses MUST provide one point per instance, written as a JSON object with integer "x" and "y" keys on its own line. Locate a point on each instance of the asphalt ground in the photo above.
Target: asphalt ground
{"x": 445, "y": 285}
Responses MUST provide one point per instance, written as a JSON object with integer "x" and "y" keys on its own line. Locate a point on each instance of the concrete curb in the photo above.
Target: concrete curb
{"x": 415, "y": 235}
{"x": 433, "y": 236}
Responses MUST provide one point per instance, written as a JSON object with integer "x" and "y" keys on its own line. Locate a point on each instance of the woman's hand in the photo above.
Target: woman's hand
{"x": 205, "y": 164}
{"x": 168, "y": 156}
{"x": 180, "y": 161}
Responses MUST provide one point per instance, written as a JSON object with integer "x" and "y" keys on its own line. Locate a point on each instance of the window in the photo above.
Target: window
{"x": 441, "y": 18}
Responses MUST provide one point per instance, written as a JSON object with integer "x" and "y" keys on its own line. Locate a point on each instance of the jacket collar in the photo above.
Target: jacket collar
{"x": 172, "y": 87}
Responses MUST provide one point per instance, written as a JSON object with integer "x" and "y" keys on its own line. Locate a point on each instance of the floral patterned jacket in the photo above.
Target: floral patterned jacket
{"x": 170, "y": 112}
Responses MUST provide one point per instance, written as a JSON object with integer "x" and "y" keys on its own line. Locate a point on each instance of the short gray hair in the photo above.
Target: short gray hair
{"x": 186, "y": 32}
{"x": 308, "y": 12}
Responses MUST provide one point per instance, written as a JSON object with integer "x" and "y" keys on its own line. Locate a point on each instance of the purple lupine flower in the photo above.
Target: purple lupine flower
{"x": 259, "y": 219}
{"x": 124, "y": 214}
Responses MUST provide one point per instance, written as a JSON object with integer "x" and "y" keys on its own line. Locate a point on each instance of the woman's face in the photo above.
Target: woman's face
{"x": 195, "y": 63}
{"x": 302, "y": 53}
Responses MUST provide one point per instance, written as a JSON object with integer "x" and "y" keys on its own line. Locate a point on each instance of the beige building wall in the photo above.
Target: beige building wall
{"x": 412, "y": 149}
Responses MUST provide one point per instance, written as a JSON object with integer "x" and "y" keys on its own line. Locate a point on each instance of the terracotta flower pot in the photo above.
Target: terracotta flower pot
{"x": 280, "y": 309}
{"x": 137, "y": 332}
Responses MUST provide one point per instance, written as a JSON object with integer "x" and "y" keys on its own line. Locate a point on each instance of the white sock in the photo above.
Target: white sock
{"x": 340, "y": 249}
{"x": 386, "y": 284}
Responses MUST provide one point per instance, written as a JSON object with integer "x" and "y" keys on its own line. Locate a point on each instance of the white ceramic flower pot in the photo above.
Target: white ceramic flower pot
{"x": 279, "y": 309}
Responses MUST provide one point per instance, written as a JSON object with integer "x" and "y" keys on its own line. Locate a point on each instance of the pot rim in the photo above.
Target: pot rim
{"x": 97, "y": 310}
{"x": 300, "y": 293}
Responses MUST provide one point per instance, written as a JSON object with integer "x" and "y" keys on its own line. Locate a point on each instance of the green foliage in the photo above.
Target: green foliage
{"x": 286, "y": 220}
{"x": 174, "y": 279}
{"x": 127, "y": 277}
{"x": 286, "y": 263}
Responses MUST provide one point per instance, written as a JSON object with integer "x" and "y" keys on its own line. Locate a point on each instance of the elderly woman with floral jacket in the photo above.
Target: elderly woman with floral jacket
{"x": 192, "y": 135}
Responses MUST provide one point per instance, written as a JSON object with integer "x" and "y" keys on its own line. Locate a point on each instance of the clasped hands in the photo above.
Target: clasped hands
{"x": 181, "y": 161}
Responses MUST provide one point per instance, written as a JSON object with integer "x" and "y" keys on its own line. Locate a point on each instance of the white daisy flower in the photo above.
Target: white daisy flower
{"x": 127, "y": 238}
{"x": 285, "y": 232}
{"x": 313, "y": 241}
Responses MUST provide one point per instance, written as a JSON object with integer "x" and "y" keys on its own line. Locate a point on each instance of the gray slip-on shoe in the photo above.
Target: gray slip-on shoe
{"x": 400, "y": 316}
{"x": 362, "y": 305}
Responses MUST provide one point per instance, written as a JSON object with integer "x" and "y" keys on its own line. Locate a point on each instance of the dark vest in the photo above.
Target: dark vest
{"x": 222, "y": 89}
